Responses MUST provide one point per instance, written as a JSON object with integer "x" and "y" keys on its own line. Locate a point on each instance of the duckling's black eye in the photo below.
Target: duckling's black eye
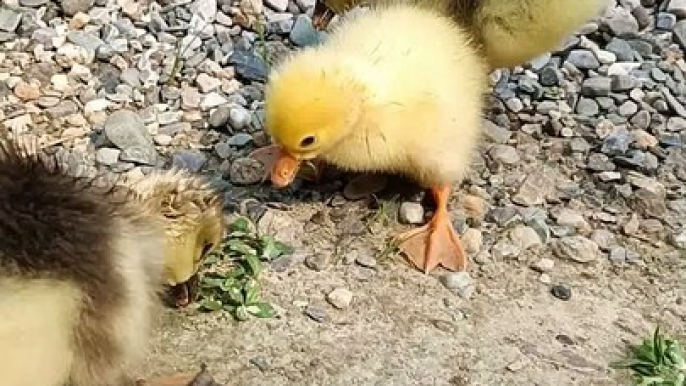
{"x": 307, "y": 141}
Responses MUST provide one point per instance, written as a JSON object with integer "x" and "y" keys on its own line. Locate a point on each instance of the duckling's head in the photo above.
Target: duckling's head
{"x": 192, "y": 212}
{"x": 312, "y": 102}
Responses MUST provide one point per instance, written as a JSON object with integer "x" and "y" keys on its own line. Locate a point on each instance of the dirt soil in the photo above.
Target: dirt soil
{"x": 406, "y": 328}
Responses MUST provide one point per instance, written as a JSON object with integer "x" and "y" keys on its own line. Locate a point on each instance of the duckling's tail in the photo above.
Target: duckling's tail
{"x": 513, "y": 32}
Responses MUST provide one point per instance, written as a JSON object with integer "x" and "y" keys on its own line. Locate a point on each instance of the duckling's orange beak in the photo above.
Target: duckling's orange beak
{"x": 321, "y": 15}
{"x": 285, "y": 169}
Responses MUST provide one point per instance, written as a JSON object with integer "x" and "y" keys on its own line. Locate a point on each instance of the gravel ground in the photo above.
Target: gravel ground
{"x": 574, "y": 211}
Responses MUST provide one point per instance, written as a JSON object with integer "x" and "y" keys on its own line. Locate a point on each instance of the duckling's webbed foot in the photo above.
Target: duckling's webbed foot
{"x": 435, "y": 243}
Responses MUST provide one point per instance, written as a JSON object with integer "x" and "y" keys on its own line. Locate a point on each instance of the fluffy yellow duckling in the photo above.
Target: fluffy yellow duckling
{"x": 81, "y": 270}
{"x": 397, "y": 89}
{"x": 380, "y": 95}
{"x": 509, "y": 32}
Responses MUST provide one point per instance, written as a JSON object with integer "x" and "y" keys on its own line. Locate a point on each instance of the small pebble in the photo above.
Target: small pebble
{"x": 315, "y": 313}
{"x": 561, "y": 292}
{"x": 543, "y": 265}
{"x": 340, "y": 298}
{"x": 411, "y": 213}
{"x": 460, "y": 283}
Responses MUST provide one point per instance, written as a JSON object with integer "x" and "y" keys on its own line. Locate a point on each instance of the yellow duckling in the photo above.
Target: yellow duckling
{"x": 508, "y": 32}
{"x": 397, "y": 89}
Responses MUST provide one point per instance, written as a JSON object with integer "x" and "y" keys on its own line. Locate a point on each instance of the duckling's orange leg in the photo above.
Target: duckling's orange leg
{"x": 435, "y": 243}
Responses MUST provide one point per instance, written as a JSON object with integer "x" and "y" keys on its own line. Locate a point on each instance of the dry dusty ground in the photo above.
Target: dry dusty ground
{"x": 406, "y": 328}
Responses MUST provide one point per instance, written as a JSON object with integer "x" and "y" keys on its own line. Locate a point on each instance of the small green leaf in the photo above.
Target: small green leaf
{"x": 242, "y": 313}
{"x": 272, "y": 249}
{"x": 262, "y": 310}
{"x": 239, "y": 225}
{"x": 252, "y": 294}
{"x": 658, "y": 346}
{"x": 211, "y": 259}
{"x": 254, "y": 266}
{"x": 211, "y": 305}
{"x": 211, "y": 282}
{"x": 235, "y": 295}
{"x": 227, "y": 284}
{"x": 239, "y": 247}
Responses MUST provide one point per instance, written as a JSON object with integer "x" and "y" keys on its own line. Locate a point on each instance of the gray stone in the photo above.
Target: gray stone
{"x": 85, "y": 40}
{"x": 604, "y": 238}
{"x": 504, "y": 154}
{"x": 303, "y": 33}
{"x": 583, "y": 59}
{"x": 223, "y": 150}
{"x": 277, "y": 5}
{"x": 248, "y": 65}
{"x": 679, "y": 239}
{"x": 677, "y": 7}
{"x": 578, "y": 249}
{"x": 239, "y": 117}
{"x": 535, "y": 188}
{"x": 189, "y": 160}
{"x": 496, "y": 133}
{"x": 472, "y": 240}
{"x": 597, "y": 86}
{"x": 126, "y": 130}
{"x": 642, "y": 16}
{"x": 72, "y": 7}
{"x": 549, "y": 76}
{"x": 618, "y": 255}
{"x": 33, "y": 3}
{"x": 366, "y": 260}
{"x": 679, "y": 33}
{"x": 240, "y": 140}
{"x": 460, "y": 283}
{"x": 524, "y": 237}
{"x": 207, "y": 9}
{"x": 543, "y": 265}
{"x": 665, "y": 21}
{"x": 617, "y": 142}
{"x": 621, "y": 83}
{"x": 673, "y": 103}
{"x": 315, "y": 313}
{"x": 9, "y": 19}
{"x": 515, "y": 105}
{"x": 411, "y": 213}
{"x": 587, "y": 107}
{"x": 621, "y": 49}
{"x": 648, "y": 203}
{"x": 246, "y": 171}
{"x": 107, "y": 156}
{"x": 220, "y": 116}
{"x": 628, "y": 109}
{"x": 571, "y": 218}
{"x": 340, "y": 298}
{"x": 621, "y": 22}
